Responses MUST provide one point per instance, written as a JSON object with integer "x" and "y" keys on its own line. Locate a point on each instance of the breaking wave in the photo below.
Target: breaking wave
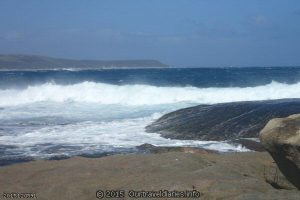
{"x": 137, "y": 95}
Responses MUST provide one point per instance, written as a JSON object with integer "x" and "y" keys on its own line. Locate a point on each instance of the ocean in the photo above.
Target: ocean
{"x": 64, "y": 113}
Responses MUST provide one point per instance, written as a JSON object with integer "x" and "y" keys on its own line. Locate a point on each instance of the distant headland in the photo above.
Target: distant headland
{"x": 35, "y": 62}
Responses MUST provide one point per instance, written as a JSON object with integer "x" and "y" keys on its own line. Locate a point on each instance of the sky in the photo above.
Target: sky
{"x": 185, "y": 33}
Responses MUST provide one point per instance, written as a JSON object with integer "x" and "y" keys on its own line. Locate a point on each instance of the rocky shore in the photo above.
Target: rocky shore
{"x": 180, "y": 170}
{"x": 237, "y": 122}
{"x": 248, "y": 175}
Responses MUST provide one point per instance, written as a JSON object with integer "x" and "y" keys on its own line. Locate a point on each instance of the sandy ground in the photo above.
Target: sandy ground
{"x": 213, "y": 175}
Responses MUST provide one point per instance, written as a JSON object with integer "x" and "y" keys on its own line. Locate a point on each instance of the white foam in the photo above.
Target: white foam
{"x": 98, "y": 136}
{"x": 136, "y": 95}
{"x": 93, "y": 117}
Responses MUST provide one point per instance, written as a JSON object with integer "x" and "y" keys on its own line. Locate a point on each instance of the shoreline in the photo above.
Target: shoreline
{"x": 145, "y": 148}
{"x": 215, "y": 175}
{"x": 79, "y": 69}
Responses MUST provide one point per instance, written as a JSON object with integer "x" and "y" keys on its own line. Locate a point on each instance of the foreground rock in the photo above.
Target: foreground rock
{"x": 281, "y": 138}
{"x": 227, "y": 121}
{"x": 249, "y": 175}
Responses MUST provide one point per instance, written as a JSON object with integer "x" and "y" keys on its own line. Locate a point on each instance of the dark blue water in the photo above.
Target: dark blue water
{"x": 198, "y": 77}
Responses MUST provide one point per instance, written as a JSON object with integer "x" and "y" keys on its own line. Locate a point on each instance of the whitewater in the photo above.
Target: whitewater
{"x": 138, "y": 95}
{"x": 48, "y": 117}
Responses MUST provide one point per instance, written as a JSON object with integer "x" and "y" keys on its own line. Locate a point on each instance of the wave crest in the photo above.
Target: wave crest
{"x": 137, "y": 95}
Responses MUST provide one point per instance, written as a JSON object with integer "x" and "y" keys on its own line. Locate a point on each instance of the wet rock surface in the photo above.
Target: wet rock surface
{"x": 250, "y": 144}
{"x": 226, "y": 121}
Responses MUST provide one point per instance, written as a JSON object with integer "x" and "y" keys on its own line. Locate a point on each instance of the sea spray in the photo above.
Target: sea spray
{"x": 135, "y": 95}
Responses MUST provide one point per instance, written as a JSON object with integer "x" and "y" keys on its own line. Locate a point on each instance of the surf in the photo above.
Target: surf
{"x": 143, "y": 95}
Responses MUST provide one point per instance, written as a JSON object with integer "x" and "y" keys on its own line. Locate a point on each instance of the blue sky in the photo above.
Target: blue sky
{"x": 204, "y": 33}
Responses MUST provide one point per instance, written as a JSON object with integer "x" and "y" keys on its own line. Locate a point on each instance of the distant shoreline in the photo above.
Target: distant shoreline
{"x": 34, "y": 62}
{"x": 78, "y": 69}
{"x": 129, "y": 68}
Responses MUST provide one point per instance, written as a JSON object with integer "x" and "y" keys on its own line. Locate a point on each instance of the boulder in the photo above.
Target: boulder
{"x": 281, "y": 138}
